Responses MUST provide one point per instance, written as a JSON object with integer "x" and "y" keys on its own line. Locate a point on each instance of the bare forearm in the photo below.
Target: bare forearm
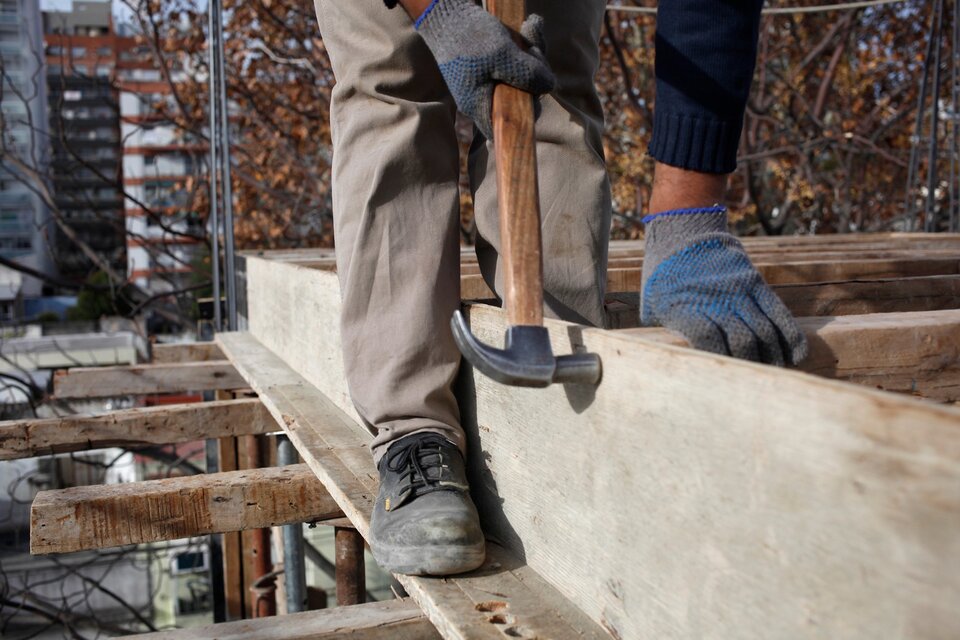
{"x": 415, "y": 8}
{"x": 676, "y": 188}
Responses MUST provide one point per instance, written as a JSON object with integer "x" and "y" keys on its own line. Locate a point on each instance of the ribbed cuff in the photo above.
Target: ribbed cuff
{"x": 696, "y": 144}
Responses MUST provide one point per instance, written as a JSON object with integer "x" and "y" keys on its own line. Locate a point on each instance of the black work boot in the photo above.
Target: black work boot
{"x": 424, "y": 523}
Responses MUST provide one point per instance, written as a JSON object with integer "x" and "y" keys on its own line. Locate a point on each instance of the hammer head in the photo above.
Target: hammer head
{"x": 527, "y": 358}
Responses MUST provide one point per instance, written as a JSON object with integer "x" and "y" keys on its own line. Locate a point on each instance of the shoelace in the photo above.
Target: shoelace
{"x": 412, "y": 461}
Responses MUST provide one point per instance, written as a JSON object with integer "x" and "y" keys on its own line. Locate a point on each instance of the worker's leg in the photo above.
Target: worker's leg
{"x": 395, "y": 203}
{"x": 574, "y": 190}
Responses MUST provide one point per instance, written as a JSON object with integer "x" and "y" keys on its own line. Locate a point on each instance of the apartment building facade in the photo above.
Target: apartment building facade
{"x": 26, "y": 228}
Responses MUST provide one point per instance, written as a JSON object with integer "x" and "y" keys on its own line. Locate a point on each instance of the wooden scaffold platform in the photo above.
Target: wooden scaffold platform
{"x": 687, "y": 496}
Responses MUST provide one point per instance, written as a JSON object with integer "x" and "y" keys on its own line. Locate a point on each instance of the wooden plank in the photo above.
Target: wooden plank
{"x": 621, "y": 279}
{"x": 185, "y": 352}
{"x": 915, "y": 353}
{"x": 233, "y": 584}
{"x": 390, "y": 620}
{"x": 100, "y": 516}
{"x": 932, "y": 293}
{"x": 689, "y": 495}
{"x": 337, "y": 449}
{"x": 98, "y": 382}
{"x": 168, "y": 424}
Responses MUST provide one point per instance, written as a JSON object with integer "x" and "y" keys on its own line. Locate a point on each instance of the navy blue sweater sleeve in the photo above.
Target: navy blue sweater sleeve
{"x": 705, "y": 57}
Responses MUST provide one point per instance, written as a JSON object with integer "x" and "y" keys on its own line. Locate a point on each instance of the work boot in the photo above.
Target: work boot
{"x": 424, "y": 522}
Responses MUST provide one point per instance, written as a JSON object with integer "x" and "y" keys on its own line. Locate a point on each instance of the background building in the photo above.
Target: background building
{"x": 25, "y": 225}
{"x": 82, "y": 57}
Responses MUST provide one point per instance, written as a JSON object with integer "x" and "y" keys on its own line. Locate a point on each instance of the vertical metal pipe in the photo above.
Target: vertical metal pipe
{"x": 294, "y": 575}
{"x": 214, "y": 219}
{"x": 913, "y": 169}
{"x": 954, "y": 124}
{"x": 930, "y": 218}
{"x": 214, "y": 541}
{"x": 230, "y": 267}
{"x": 351, "y": 575}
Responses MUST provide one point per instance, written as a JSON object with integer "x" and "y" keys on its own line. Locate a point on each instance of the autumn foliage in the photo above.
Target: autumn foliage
{"x": 826, "y": 139}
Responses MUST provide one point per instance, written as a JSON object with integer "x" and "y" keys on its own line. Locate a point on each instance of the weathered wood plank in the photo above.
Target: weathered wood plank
{"x": 185, "y": 352}
{"x": 691, "y": 495}
{"x": 337, "y": 449}
{"x": 97, "y": 382}
{"x": 390, "y": 620}
{"x": 621, "y": 279}
{"x": 101, "y": 516}
{"x": 167, "y": 424}
{"x": 915, "y": 353}
{"x": 744, "y": 495}
{"x": 932, "y": 293}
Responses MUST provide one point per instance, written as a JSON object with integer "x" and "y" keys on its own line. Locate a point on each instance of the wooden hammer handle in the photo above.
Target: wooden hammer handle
{"x": 517, "y": 190}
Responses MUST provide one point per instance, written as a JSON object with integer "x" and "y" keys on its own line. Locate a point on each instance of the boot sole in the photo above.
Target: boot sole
{"x": 434, "y": 561}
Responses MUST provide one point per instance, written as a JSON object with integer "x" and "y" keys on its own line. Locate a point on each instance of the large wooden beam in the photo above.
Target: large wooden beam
{"x": 503, "y": 593}
{"x": 915, "y": 353}
{"x": 101, "y": 516}
{"x": 97, "y": 382}
{"x": 688, "y": 491}
{"x": 185, "y": 352}
{"x": 932, "y": 293}
{"x": 167, "y": 424}
{"x": 390, "y": 620}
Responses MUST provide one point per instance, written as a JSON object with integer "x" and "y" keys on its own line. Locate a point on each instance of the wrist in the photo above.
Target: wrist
{"x": 677, "y": 188}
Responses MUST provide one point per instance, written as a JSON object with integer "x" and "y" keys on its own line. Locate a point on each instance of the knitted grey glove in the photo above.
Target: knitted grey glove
{"x": 698, "y": 280}
{"x": 475, "y": 52}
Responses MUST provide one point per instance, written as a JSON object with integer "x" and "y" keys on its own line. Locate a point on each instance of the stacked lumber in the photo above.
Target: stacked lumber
{"x": 688, "y": 495}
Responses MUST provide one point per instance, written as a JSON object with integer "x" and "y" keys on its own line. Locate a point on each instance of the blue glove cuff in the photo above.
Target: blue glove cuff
{"x": 717, "y": 209}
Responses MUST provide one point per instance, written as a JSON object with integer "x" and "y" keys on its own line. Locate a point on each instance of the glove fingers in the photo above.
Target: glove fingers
{"x": 532, "y": 32}
{"x": 741, "y": 341}
{"x": 480, "y": 111}
{"x": 528, "y": 73}
{"x": 703, "y": 334}
{"x": 795, "y": 342}
{"x": 768, "y": 338}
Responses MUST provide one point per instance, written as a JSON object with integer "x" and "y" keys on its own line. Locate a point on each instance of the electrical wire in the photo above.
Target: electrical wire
{"x": 843, "y": 6}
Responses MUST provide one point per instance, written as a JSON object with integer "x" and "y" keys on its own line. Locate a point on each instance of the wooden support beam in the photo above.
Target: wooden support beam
{"x": 709, "y": 493}
{"x": 350, "y": 567}
{"x": 100, "y": 516}
{"x": 504, "y": 593}
{"x": 235, "y": 595}
{"x": 98, "y": 382}
{"x": 915, "y": 353}
{"x": 622, "y": 279}
{"x": 168, "y": 424}
{"x": 390, "y": 620}
{"x": 932, "y": 293}
{"x": 185, "y": 352}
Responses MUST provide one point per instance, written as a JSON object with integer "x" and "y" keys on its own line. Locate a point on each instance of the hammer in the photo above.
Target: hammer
{"x": 527, "y": 358}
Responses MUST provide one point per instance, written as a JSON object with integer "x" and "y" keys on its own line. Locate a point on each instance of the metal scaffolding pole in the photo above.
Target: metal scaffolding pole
{"x": 230, "y": 267}
{"x": 930, "y": 217}
{"x": 214, "y": 218}
{"x": 294, "y": 574}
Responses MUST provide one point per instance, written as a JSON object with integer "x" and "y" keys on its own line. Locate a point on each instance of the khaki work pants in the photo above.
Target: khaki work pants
{"x": 396, "y": 199}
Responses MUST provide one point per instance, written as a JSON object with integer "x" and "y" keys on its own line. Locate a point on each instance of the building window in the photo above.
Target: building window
{"x": 78, "y": 52}
{"x": 54, "y": 50}
{"x": 103, "y": 71}
{"x": 105, "y": 52}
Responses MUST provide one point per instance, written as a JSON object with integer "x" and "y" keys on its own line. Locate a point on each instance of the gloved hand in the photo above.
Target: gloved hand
{"x": 475, "y": 52}
{"x": 698, "y": 280}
